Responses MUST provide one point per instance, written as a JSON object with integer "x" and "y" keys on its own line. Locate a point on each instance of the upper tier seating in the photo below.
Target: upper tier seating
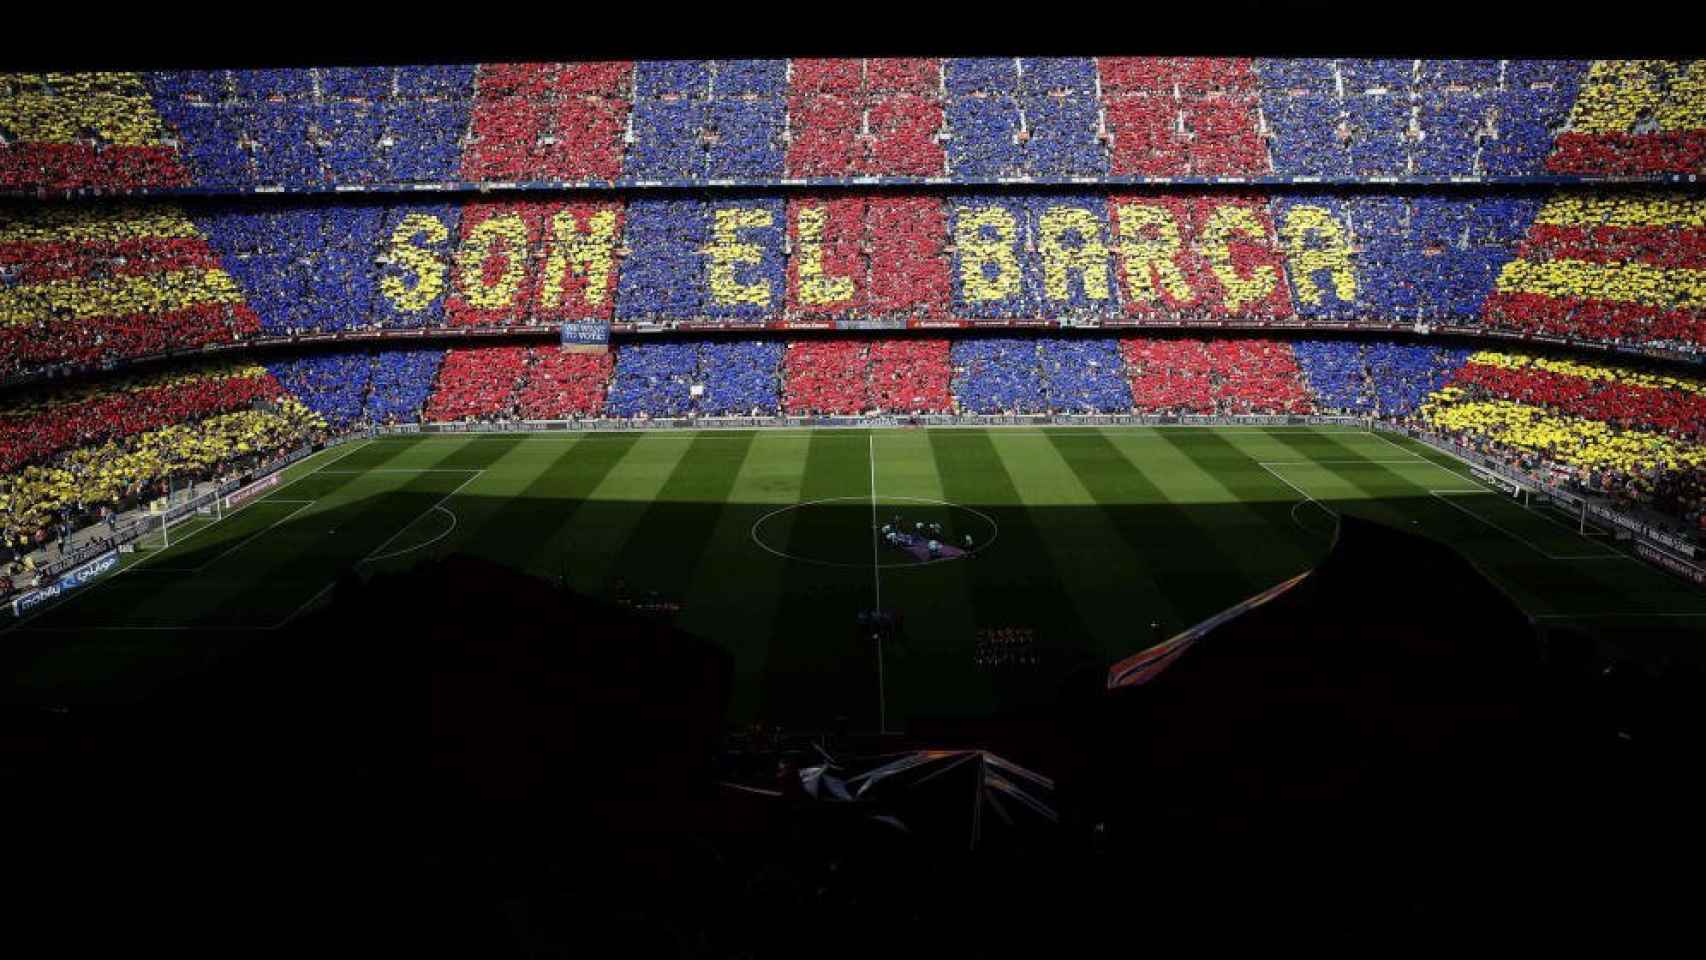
{"x": 696, "y": 121}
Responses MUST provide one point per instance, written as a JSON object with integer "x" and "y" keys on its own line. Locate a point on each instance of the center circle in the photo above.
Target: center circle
{"x": 846, "y": 531}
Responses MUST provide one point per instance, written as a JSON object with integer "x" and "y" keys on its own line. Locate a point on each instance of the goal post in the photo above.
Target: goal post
{"x": 172, "y": 511}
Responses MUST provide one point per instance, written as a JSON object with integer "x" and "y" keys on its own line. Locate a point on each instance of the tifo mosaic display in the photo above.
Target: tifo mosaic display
{"x": 1336, "y": 216}
{"x": 966, "y": 120}
{"x": 91, "y": 284}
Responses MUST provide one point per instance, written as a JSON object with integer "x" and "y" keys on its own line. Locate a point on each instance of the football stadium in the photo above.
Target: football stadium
{"x": 868, "y": 461}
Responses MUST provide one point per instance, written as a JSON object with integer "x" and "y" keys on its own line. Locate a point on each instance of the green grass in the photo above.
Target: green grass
{"x": 1084, "y": 535}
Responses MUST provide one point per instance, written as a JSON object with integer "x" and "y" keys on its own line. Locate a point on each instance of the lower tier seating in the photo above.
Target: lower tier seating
{"x": 1632, "y": 432}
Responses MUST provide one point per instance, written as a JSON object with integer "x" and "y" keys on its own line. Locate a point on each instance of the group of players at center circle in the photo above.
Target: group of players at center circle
{"x": 929, "y": 536}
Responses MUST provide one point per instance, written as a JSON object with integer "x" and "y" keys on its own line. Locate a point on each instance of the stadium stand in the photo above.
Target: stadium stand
{"x": 334, "y": 385}
{"x": 561, "y": 384}
{"x": 1381, "y": 377}
{"x": 692, "y": 121}
{"x": 1229, "y": 376}
{"x": 1616, "y": 429}
{"x": 401, "y": 380}
{"x": 121, "y": 471}
{"x": 1636, "y": 117}
{"x": 910, "y": 376}
{"x": 711, "y": 377}
{"x": 33, "y": 428}
{"x": 1616, "y": 395}
{"x": 479, "y": 382}
{"x": 1625, "y": 433}
{"x": 384, "y": 386}
{"x": 1619, "y": 268}
{"x": 652, "y": 380}
{"x": 898, "y": 375}
{"x": 998, "y": 375}
{"x": 105, "y": 284}
{"x": 739, "y": 377}
{"x": 98, "y": 285}
{"x": 1084, "y": 376}
{"x": 826, "y": 376}
{"x": 864, "y": 117}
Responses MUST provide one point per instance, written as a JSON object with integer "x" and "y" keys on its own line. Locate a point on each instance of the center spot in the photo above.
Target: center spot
{"x": 839, "y": 531}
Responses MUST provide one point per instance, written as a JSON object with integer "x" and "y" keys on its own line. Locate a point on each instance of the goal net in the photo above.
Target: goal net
{"x": 160, "y": 530}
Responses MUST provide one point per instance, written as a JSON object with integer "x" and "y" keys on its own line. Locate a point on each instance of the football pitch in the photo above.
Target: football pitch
{"x": 769, "y": 542}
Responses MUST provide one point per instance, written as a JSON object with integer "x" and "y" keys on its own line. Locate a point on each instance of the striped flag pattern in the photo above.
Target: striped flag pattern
{"x": 93, "y": 284}
{"x": 72, "y": 130}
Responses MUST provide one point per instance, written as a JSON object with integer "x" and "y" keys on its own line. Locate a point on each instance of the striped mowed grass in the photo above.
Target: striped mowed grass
{"x": 1095, "y": 540}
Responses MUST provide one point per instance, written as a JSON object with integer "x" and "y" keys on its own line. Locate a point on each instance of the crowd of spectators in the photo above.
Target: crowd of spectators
{"x": 99, "y": 284}
{"x": 301, "y": 128}
{"x": 1625, "y": 398}
{"x": 332, "y": 384}
{"x": 1650, "y": 470}
{"x": 826, "y": 377}
{"x": 700, "y": 120}
{"x": 1626, "y": 433}
{"x": 1084, "y": 375}
{"x": 1039, "y": 375}
{"x": 740, "y": 377}
{"x": 562, "y": 384}
{"x": 1224, "y": 376}
{"x": 478, "y": 383}
{"x": 891, "y": 375}
{"x": 105, "y": 284}
{"x": 548, "y": 121}
{"x": 502, "y": 382}
{"x": 1635, "y": 117}
{"x": 400, "y": 382}
{"x": 995, "y": 375}
{"x": 37, "y": 425}
{"x": 849, "y": 117}
{"x": 72, "y": 487}
{"x": 709, "y": 377}
{"x": 347, "y": 386}
{"x": 1361, "y": 118}
{"x": 1623, "y": 268}
{"x": 911, "y": 375}
{"x": 653, "y": 380}
{"x": 1380, "y": 378}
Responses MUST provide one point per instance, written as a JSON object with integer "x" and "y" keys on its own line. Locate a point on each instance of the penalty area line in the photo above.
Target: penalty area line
{"x": 1300, "y": 492}
{"x": 251, "y": 538}
{"x": 377, "y": 551}
{"x": 1441, "y": 495}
